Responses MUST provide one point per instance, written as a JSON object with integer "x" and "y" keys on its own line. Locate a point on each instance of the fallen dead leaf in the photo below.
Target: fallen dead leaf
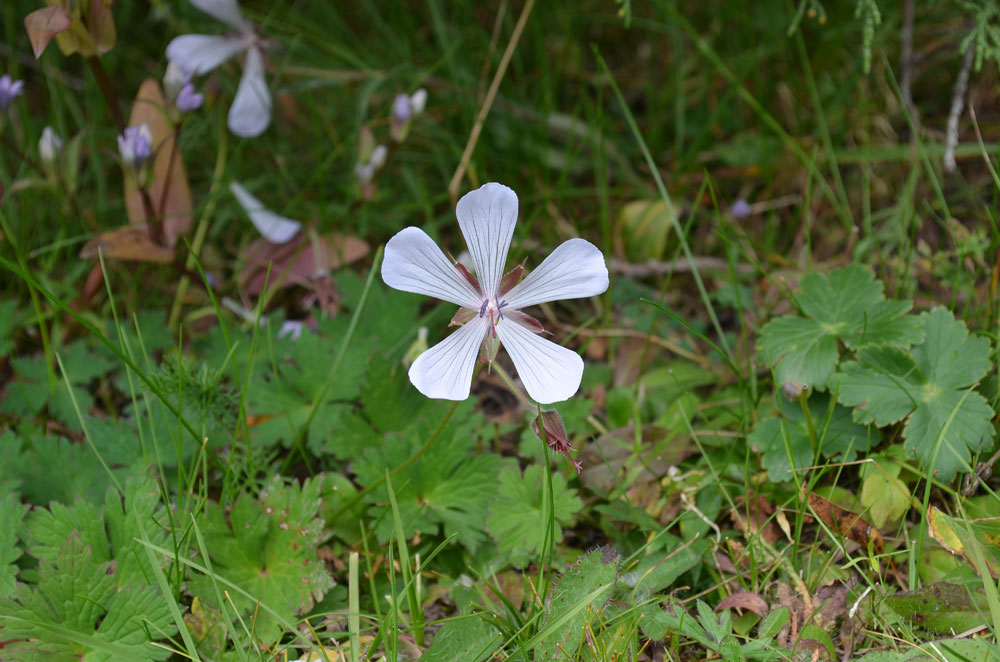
{"x": 744, "y": 600}
{"x": 298, "y": 261}
{"x": 851, "y": 525}
{"x": 753, "y": 515}
{"x": 130, "y": 243}
{"x": 169, "y": 192}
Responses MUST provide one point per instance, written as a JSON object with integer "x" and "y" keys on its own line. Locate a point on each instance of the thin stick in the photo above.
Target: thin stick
{"x": 906, "y": 65}
{"x": 484, "y": 110}
{"x": 957, "y": 102}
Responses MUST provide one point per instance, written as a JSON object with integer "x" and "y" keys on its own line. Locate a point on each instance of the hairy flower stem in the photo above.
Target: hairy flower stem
{"x": 528, "y": 404}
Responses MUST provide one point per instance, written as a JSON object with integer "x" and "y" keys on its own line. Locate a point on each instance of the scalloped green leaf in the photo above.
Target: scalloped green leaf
{"x": 932, "y": 387}
{"x": 848, "y": 306}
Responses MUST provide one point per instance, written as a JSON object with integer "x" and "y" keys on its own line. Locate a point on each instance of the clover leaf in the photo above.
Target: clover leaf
{"x": 849, "y": 306}
{"x": 930, "y": 386}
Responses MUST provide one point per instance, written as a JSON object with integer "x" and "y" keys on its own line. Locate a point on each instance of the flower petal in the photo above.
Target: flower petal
{"x": 445, "y": 370}
{"x": 550, "y": 372}
{"x": 273, "y": 227}
{"x": 250, "y": 113}
{"x": 574, "y": 269}
{"x": 414, "y": 263}
{"x": 227, "y": 11}
{"x": 200, "y": 53}
{"x": 487, "y": 217}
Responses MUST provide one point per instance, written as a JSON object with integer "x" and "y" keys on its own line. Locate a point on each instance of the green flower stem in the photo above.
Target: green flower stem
{"x": 528, "y": 404}
{"x": 201, "y": 231}
{"x": 36, "y": 302}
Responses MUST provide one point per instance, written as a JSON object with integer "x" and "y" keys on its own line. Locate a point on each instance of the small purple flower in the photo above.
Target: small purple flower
{"x": 10, "y": 89}
{"x": 135, "y": 145}
{"x": 188, "y": 100}
{"x": 402, "y": 111}
{"x": 740, "y": 209}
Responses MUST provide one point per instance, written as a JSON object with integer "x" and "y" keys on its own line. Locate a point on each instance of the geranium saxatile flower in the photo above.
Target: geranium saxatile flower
{"x": 135, "y": 145}
{"x": 250, "y": 113}
{"x": 491, "y": 302}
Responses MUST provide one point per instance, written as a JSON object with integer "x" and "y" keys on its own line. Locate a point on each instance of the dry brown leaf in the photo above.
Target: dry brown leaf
{"x": 744, "y": 600}
{"x": 829, "y": 604}
{"x": 753, "y": 515}
{"x": 298, "y": 261}
{"x": 131, "y": 243}
{"x": 44, "y": 24}
{"x": 850, "y": 525}
{"x": 169, "y": 192}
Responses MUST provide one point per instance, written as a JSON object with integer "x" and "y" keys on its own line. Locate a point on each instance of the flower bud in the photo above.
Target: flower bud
{"x": 549, "y": 426}
{"x": 49, "y": 146}
{"x": 418, "y": 101}
{"x": 10, "y": 89}
{"x": 740, "y": 209}
{"x": 378, "y": 157}
{"x": 174, "y": 80}
{"x": 402, "y": 111}
{"x": 188, "y": 100}
{"x": 135, "y": 145}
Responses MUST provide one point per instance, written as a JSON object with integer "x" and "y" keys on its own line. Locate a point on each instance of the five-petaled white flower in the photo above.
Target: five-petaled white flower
{"x": 491, "y": 302}
{"x": 250, "y": 113}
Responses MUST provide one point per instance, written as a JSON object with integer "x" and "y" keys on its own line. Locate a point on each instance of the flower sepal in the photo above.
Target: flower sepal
{"x": 549, "y": 427}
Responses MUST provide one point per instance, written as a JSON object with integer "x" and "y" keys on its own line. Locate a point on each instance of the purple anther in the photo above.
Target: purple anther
{"x": 482, "y": 309}
{"x": 500, "y": 305}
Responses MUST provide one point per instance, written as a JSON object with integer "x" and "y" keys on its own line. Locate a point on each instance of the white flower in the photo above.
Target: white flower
{"x": 135, "y": 145}
{"x": 491, "y": 305}
{"x": 49, "y": 146}
{"x": 174, "y": 78}
{"x": 250, "y": 113}
{"x": 273, "y": 227}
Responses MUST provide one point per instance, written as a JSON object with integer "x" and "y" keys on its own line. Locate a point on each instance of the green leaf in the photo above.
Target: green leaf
{"x": 8, "y": 322}
{"x": 516, "y": 518}
{"x": 267, "y": 546}
{"x": 942, "y": 607}
{"x": 836, "y": 433}
{"x": 883, "y": 495}
{"x": 968, "y": 649}
{"x": 577, "y": 599}
{"x": 468, "y": 639}
{"x": 849, "y": 306}
{"x": 931, "y": 387}
{"x": 446, "y": 488}
{"x": 11, "y": 514}
{"x": 79, "y": 611}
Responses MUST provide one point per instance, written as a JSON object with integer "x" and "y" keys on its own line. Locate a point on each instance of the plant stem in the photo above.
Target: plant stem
{"x": 528, "y": 404}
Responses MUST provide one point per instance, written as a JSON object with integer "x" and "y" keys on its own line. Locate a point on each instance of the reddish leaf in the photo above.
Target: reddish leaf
{"x": 298, "y": 261}
{"x": 744, "y": 600}
{"x": 169, "y": 191}
{"x": 44, "y": 24}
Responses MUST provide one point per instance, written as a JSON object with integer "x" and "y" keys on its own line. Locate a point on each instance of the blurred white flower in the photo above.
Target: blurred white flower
{"x": 174, "y": 78}
{"x": 491, "y": 303}
{"x": 275, "y": 228}
{"x": 49, "y": 146}
{"x": 135, "y": 145}
{"x": 366, "y": 171}
{"x": 250, "y": 113}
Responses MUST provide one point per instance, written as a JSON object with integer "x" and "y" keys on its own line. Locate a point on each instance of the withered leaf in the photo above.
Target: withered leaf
{"x": 298, "y": 261}
{"x": 44, "y": 24}
{"x": 744, "y": 600}
{"x": 169, "y": 191}
{"x": 131, "y": 243}
{"x": 850, "y": 525}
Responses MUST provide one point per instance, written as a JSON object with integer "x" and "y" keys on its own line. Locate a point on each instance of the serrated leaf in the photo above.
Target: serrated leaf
{"x": 267, "y": 546}
{"x": 469, "y": 639}
{"x": 884, "y": 497}
{"x": 11, "y": 514}
{"x": 516, "y": 518}
{"x": 784, "y": 439}
{"x": 77, "y": 612}
{"x": 847, "y": 305}
{"x": 444, "y": 488}
{"x": 932, "y": 387}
